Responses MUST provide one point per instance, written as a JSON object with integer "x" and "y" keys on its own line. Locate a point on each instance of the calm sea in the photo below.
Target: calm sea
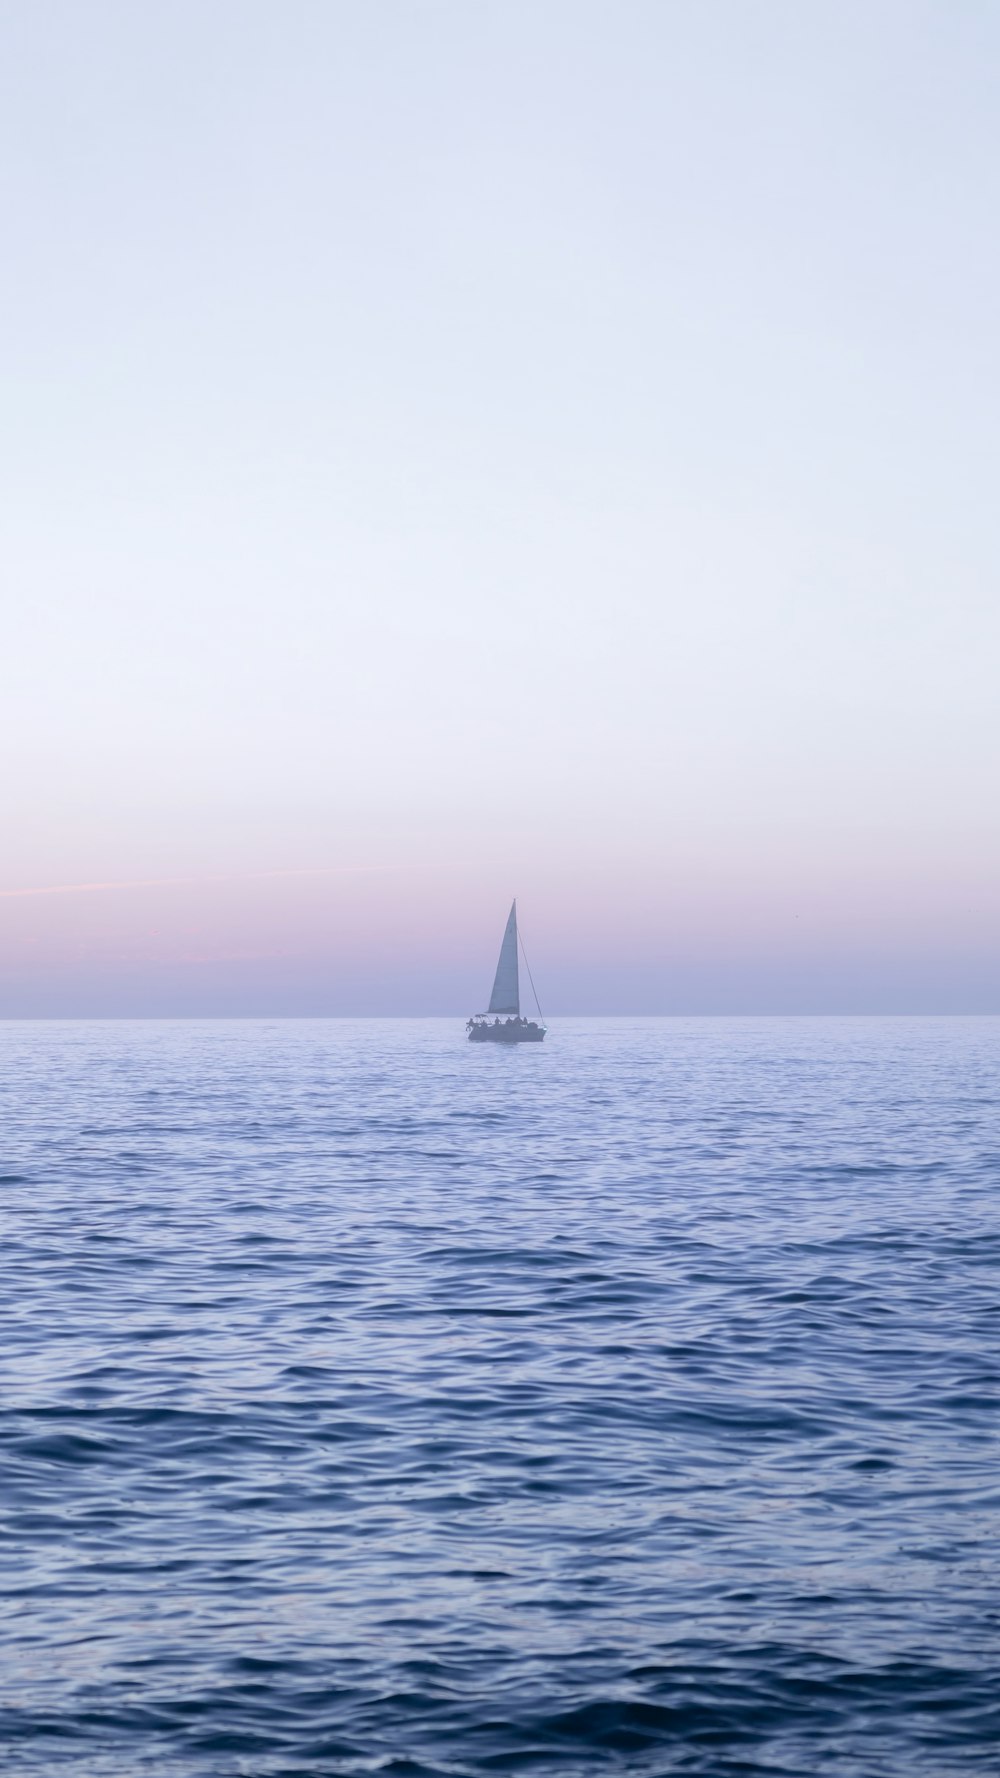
{"x": 376, "y": 1403}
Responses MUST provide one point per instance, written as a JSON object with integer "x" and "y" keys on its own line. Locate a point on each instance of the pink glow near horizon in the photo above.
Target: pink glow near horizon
{"x": 393, "y": 936}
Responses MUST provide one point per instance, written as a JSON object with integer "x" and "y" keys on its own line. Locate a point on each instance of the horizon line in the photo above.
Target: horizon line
{"x": 166, "y": 1018}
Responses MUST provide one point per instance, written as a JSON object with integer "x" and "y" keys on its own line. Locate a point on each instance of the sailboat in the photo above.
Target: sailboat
{"x": 502, "y": 1022}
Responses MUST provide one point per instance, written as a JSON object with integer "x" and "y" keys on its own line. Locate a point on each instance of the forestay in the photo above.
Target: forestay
{"x": 506, "y": 996}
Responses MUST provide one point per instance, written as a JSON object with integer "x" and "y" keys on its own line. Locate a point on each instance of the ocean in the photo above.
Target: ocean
{"x": 377, "y": 1403}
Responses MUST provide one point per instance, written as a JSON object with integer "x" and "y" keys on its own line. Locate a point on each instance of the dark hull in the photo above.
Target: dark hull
{"x": 506, "y": 1033}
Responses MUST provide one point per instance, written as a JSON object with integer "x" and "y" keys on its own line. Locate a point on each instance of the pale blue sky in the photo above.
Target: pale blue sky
{"x": 469, "y": 449}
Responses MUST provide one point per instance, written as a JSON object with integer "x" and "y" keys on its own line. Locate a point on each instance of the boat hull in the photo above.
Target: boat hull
{"x": 505, "y": 1033}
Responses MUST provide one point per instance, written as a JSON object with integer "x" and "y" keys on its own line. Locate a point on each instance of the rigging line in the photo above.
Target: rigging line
{"x": 531, "y": 978}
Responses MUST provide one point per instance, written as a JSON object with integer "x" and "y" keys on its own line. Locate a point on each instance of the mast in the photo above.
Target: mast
{"x": 506, "y": 996}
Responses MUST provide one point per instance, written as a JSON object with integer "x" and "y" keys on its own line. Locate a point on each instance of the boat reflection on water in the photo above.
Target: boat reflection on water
{"x": 502, "y": 1022}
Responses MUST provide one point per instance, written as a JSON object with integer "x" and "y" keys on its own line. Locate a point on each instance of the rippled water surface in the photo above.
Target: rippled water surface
{"x": 373, "y": 1402}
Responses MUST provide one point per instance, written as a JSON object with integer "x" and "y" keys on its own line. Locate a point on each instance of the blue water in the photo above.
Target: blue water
{"x": 376, "y": 1403}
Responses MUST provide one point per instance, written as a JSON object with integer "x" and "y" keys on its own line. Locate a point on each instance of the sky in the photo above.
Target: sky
{"x": 537, "y": 447}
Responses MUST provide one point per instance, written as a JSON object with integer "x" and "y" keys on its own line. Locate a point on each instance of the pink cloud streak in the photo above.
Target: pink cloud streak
{"x": 334, "y": 870}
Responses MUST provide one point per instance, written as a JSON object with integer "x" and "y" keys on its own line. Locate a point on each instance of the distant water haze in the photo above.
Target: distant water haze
{"x": 462, "y": 452}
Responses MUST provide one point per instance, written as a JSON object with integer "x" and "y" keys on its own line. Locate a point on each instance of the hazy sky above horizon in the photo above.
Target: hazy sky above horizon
{"x": 455, "y": 450}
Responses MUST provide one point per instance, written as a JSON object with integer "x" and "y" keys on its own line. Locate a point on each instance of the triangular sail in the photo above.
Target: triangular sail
{"x": 506, "y": 995}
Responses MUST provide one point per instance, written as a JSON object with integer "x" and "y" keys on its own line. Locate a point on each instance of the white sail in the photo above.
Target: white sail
{"x": 506, "y": 996}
